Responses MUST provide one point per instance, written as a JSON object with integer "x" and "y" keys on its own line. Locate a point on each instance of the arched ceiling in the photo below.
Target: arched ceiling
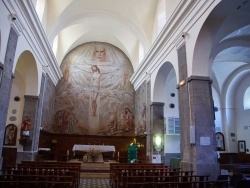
{"x": 125, "y": 24}
{"x": 230, "y": 52}
{"x": 130, "y": 24}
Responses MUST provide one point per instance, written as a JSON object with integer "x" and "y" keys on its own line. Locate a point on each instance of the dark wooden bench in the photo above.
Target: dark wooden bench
{"x": 116, "y": 168}
{"x": 192, "y": 184}
{"x": 123, "y": 176}
{"x": 60, "y": 172}
{"x": 75, "y": 166}
{"x": 37, "y": 180}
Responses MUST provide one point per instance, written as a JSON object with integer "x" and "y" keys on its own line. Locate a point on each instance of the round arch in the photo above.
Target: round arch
{"x": 27, "y": 69}
{"x": 165, "y": 75}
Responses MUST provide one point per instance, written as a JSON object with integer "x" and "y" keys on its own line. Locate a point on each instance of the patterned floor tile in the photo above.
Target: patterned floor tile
{"x": 94, "y": 183}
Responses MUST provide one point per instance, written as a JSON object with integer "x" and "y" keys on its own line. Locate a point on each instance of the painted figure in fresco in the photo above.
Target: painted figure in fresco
{"x": 142, "y": 125}
{"x": 95, "y": 87}
{"x": 99, "y": 54}
{"x": 128, "y": 119}
{"x": 72, "y": 122}
{"x": 95, "y": 84}
{"x": 67, "y": 119}
{"x": 112, "y": 122}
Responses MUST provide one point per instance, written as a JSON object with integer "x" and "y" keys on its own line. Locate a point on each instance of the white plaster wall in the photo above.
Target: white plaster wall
{"x": 172, "y": 144}
{"x": 218, "y": 119}
{"x": 170, "y": 87}
{"x": 242, "y": 116}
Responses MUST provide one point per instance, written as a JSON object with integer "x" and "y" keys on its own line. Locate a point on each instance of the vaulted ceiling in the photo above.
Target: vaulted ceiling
{"x": 129, "y": 24}
{"x": 133, "y": 25}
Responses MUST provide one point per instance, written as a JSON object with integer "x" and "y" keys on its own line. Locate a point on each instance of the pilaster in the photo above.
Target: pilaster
{"x": 6, "y": 83}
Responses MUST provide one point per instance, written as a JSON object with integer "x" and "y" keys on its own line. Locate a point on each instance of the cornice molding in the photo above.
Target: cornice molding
{"x": 171, "y": 37}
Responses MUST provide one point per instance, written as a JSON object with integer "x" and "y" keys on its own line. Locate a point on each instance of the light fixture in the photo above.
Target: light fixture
{"x": 158, "y": 141}
{"x": 182, "y": 83}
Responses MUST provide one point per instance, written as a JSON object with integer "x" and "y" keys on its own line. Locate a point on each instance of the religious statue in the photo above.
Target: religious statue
{"x": 26, "y": 125}
{"x": 11, "y": 135}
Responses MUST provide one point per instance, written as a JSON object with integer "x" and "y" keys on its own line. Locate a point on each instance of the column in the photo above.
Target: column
{"x": 6, "y": 83}
{"x": 157, "y": 127}
{"x": 198, "y": 144}
{"x": 30, "y": 110}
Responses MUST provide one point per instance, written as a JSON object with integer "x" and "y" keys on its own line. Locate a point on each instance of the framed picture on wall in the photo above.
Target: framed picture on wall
{"x": 220, "y": 143}
{"x": 242, "y": 146}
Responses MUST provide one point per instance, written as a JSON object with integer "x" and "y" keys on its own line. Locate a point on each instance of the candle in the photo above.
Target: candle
{"x": 118, "y": 154}
{"x": 67, "y": 152}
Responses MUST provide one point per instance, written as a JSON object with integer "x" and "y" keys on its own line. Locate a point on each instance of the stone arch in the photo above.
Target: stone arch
{"x": 25, "y": 82}
{"x": 164, "y": 75}
{"x": 165, "y": 91}
{"x": 27, "y": 68}
{"x": 221, "y": 52}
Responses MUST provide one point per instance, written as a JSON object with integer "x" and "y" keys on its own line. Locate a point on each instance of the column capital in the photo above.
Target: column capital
{"x": 200, "y": 78}
{"x": 157, "y": 104}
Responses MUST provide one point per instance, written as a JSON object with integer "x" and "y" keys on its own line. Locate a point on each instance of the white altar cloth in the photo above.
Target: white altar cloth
{"x": 43, "y": 149}
{"x": 102, "y": 148}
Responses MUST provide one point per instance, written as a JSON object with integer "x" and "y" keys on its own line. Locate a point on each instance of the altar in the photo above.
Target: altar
{"x": 87, "y": 148}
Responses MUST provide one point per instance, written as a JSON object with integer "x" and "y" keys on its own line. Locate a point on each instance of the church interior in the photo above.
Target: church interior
{"x": 127, "y": 82}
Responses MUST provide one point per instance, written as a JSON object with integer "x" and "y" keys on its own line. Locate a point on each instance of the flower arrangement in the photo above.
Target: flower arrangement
{"x": 93, "y": 153}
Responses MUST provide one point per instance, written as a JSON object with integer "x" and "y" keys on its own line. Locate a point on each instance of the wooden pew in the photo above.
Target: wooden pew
{"x": 59, "y": 171}
{"x": 75, "y": 166}
{"x": 36, "y": 180}
{"x": 115, "y": 167}
{"x": 197, "y": 182}
{"x": 146, "y": 173}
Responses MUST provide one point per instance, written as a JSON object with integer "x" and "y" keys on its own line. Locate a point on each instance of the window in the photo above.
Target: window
{"x": 246, "y": 101}
{"x": 173, "y": 125}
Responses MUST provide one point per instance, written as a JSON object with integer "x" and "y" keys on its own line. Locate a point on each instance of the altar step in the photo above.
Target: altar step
{"x": 95, "y": 170}
{"x": 94, "y": 175}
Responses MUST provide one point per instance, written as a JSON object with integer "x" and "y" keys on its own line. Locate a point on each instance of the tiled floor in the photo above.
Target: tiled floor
{"x": 94, "y": 183}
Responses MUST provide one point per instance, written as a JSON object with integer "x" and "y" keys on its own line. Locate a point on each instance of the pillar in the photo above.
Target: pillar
{"x": 6, "y": 80}
{"x": 157, "y": 127}
{"x": 30, "y": 110}
{"x": 198, "y": 143}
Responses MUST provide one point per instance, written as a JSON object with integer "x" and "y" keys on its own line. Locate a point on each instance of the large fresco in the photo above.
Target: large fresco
{"x": 95, "y": 96}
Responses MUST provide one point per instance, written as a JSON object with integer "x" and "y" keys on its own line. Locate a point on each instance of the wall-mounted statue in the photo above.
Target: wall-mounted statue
{"x": 10, "y": 135}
